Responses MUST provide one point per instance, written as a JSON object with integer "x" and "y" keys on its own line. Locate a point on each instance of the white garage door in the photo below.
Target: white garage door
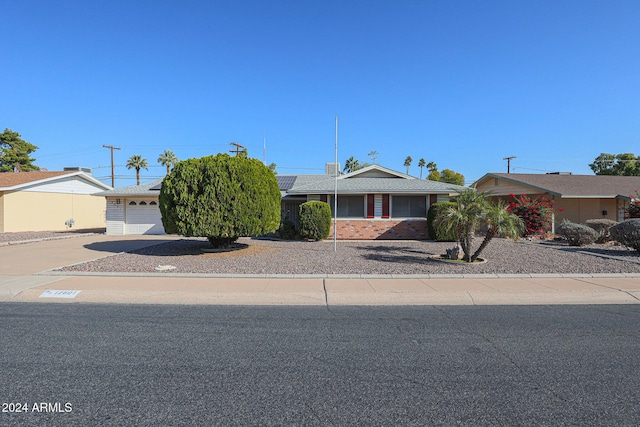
{"x": 143, "y": 217}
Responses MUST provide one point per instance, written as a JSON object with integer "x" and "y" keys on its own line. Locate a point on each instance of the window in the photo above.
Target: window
{"x": 143, "y": 203}
{"x": 409, "y": 207}
{"x": 132, "y": 203}
{"x": 152, "y": 203}
{"x": 349, "y": 206}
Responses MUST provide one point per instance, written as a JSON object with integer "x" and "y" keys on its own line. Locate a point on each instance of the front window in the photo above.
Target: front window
{"x": 349, "y": 206}
{"x": 409, "y": 207}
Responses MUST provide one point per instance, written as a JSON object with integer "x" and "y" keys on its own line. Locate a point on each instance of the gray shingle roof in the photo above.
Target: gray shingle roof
{"x": 135, "y": 190}
{"x": 376, "y": 185}
{"x": 595, "y": 186}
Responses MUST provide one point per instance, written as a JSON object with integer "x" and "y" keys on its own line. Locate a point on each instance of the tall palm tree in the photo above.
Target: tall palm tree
{"x": 421, "y": 164}
{"x": 137, "y": 162}
{"x": 168, "y": 158}
{"x": 407, "y": 163}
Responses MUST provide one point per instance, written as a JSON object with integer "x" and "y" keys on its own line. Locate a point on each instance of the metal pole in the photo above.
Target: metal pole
{"x": 335, "y": 197}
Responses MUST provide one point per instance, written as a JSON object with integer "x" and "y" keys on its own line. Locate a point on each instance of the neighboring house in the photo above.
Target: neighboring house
{"x": 576, "y": 197}
{"x": 50, "y": 201}
{"x": 134, "y": 209}
{"x": 373, "y": 203}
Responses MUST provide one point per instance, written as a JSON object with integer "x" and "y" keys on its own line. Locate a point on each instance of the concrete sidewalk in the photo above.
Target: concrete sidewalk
{"x": 25, "y": 276}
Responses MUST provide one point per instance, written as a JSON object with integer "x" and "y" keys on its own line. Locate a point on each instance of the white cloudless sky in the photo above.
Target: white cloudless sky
{"x": 460, "y": 83}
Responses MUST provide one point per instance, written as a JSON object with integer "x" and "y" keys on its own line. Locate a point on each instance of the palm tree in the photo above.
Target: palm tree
{"x": 351, "y": 165}
{"x": 137, "y": 162}
{"x": 499, "y": 222}
{"x": 472, "y": 210}
{"x": 421, "y": 164}
{"x": 407, "y": 163}
{"x": 168, "y": 158}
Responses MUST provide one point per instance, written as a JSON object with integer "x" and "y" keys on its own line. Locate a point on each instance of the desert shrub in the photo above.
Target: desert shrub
{"x": 315, "y": 220}
{"x": 438, "y": 232}
{"x": 220, "y": 198}
{"x": 536, "y": 213}
{"x": 602, "y": 226}
{"x": 287, "y": 230}
{"x": 627, "y": 233}
{"x": 576, "y": 234}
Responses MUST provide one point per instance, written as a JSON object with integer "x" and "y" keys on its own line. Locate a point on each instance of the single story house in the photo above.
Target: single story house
{"x": 576, "y": 197}
{"x": 373, "y": 203}
{"x": 50, "y": 201}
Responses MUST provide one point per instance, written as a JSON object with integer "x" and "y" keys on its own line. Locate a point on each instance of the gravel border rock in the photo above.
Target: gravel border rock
{"x": 366, "y": 257}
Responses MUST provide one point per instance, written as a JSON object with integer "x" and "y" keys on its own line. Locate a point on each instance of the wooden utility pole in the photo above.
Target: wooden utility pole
{"x": 239, "y": 148}
{"x": 508, "y": 159}
{"x": 113, "y": 175}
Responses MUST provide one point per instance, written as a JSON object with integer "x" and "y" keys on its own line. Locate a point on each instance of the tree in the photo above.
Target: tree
{"x": 451, "y": 177}
{"x": 421, "y": 164}
{"x": 447, "y": 175}
{"x": 407, "y": 163}
{"x": 221, "y": 198}
{"x": 15, "y": 152}
{"x": 272, "y": 167}
{"x": 624, "y": 164}
{"x": 351, "y": 165}
{"x": 137, "y": 162}
{"x": 168, "y": 158}
{"x": 472, "y": 210}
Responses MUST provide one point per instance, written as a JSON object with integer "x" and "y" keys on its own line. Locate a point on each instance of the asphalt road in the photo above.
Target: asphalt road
{"x": 128, "y": 365}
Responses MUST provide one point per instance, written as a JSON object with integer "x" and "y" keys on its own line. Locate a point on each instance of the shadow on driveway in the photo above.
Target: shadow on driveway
{"x": 118, "y": 246}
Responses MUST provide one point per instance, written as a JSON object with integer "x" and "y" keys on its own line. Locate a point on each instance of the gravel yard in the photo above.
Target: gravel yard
{"x": 263, "y": 256}
{"x": 28, "y": 236}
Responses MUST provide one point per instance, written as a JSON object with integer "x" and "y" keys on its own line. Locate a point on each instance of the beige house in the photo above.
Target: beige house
{"x": 50, "y": 201}
{"x": 577, "y": 197}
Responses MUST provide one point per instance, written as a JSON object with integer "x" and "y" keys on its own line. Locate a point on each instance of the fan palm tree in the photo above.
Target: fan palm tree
{"x": 407, "y": 163}
{"x": 351, "y": 165}
{"x": 137, "y": 162}
{"x": 421, "y": 164}
{"x": 168, "y": 158}
{"x": 499, "y": 222}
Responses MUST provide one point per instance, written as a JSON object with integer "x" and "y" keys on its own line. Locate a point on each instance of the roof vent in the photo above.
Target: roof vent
{"x": 77, "y": 168}
{"x": 332, "y": 169}
{"x": 559, "y": 173}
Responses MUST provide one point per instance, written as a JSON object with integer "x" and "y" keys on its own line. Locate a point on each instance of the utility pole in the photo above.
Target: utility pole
{"x": 113, "y": 175}
{"x": 239, "y": 148}
{"x": 508, "y": 159}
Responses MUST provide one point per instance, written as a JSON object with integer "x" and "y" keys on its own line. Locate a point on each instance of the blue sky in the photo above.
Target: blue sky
{"x": 460, "y": 83}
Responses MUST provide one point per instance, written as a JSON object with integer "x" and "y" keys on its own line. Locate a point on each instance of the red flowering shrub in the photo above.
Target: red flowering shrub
{"x": 633, "y": 211}
{"x": 536, "y": 213}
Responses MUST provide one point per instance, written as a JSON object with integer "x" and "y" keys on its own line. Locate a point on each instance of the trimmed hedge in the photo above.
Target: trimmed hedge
{"x": 439, "y": 234}
{"x": 576, "y": 234}
{"x": 627, "y": 233}
{"x": 220, "y": 198}
{"x": 315, "y": 220}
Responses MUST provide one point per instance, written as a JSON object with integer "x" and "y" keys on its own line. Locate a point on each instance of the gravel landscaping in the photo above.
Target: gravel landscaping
{"x": 30, "y": 236}
{"x": 262, "y": 256}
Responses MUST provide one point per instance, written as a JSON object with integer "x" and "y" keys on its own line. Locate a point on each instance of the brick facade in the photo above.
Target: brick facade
{"x": 388, "y": 229}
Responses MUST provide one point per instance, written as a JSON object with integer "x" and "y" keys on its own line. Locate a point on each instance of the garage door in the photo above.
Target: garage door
{"x": 143, "y": 217}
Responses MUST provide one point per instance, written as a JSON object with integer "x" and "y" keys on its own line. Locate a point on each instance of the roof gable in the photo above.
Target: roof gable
{"x": 375, "y": 171}
{"x": 18, "y": 180}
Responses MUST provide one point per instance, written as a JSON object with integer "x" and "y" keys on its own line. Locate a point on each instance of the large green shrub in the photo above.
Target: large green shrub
{"x": 576, "y": 234}
{"x": 221, "y": 198}
{"x": 602, "y": 227}
{"x": 627, "y": 233}
{"x": 315, "y": 220}
{"x": 439, "y": 233}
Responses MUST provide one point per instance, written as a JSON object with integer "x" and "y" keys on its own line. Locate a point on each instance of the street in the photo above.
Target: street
{"x": 94, "y": 364}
